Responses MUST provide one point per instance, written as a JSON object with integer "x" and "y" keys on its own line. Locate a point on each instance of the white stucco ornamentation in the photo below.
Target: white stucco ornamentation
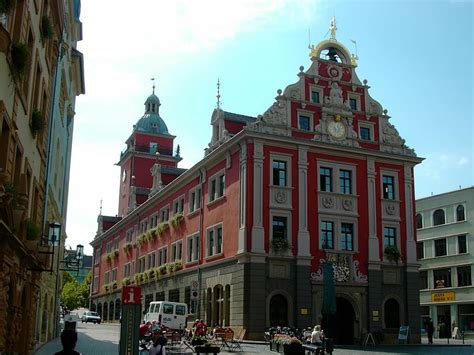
{"x": 293, "y": 91}
{"x": 392, "y": 142}
{"x": 276, "y": 114}
{"x": 280, "y": 196}
{"x": 390, "y": 209}
{"x": 347, "y": 205}
{"x": 318, "y": 275}
{"x": 328, "y": 202}
{"x": 358, "y": 276}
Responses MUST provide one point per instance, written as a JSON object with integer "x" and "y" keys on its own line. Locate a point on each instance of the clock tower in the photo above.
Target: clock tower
{"x": 149, "y": 156}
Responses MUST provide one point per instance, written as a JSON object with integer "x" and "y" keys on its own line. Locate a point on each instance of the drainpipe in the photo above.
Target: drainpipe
{"x": 201, "y": 244}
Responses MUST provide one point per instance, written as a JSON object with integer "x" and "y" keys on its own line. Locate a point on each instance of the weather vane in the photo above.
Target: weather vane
{"x": 218, "y": 94}
{"x": 153, "y": 79}
{"x": 332, "y": 27}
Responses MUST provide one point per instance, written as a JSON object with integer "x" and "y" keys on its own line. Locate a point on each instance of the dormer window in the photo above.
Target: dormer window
{"x": 153, "y": 107}
{"x": 353, "y": 104}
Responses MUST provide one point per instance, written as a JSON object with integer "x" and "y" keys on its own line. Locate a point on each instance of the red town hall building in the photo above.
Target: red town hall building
{"x": 322, "y": 176}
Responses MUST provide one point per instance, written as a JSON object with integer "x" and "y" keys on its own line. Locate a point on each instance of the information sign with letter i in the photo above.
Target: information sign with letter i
{"x": 130, "y": 320}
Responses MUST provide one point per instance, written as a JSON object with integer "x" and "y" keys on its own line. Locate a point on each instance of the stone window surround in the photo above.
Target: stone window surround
{"x": 307, "y": 113}
{"x": 397, "y": 236}
{"x": 215, "y": 177}
{"x": 457, "y": 243}
{"x": 144, "y": 225}
{"x": 176, "y": 203}
{"x": 282, "y": 157}
{"x": 337, "y": 221}
{"x": 192, "y": 240}
{"x": 357, "y": 97}
{"x": 163, "y": 209}
{"x": 194, "y": 208}
{"x": 394, "y": 174}
{"x": 153, "y": 220}
{"x": 129, "y": 235}
{"x": 162, "y": 253}
{"x": 336, "y": 166}
{"x": 319, "y": 89}
{"x": 281, "y": 213}
{"x": 370, "y": 126}
{"x": 214, "y": 227}
{"x": 446, "y": 246}
{"x": 174, "y": 247}
{"x": 432, "y": 216}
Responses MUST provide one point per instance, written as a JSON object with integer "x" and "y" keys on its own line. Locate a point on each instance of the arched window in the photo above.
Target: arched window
{"x": 438, "y": 217}
{"x": 117, "y": 309}
{"x": 460, "y": 213}
{"x": 392, "y": 314}
{"x": 419, "y": 221}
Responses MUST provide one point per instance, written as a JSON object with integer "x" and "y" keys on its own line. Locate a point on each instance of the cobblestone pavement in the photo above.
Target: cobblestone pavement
{"x": 103, "y": 339}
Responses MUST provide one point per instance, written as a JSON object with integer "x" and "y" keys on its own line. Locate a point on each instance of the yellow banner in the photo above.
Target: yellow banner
{"x": 442, "y": 296}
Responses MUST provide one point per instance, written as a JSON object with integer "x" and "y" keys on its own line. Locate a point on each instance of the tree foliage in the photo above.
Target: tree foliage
{"x": 75, "y": 294}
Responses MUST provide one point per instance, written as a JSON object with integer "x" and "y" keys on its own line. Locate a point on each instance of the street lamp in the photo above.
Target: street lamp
{"x": 54, "y": 234}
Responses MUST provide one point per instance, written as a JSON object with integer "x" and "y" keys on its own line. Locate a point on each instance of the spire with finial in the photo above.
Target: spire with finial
{"x": 153, "y": 79}
{"x": 218, "y": 106}
{"x": 332, "y": 27}
{"x": 100, "y": 209}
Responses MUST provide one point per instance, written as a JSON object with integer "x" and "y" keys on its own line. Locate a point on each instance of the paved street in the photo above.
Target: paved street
{"x": 103, "y": 339}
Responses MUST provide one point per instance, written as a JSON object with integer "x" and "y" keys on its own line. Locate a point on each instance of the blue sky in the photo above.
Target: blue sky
{"x": 416, "y": 55}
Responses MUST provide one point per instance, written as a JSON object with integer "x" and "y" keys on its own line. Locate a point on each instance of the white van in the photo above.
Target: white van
{"x": 170, "y": 314}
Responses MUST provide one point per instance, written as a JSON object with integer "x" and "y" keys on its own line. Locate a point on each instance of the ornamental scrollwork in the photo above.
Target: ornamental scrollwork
{"x": 328, "y": 202}
{"x": 347, "y": 205}
{"x": 358, "y": 276}
{"x": 280, "y": 196}
{"x": 390, "y": 209}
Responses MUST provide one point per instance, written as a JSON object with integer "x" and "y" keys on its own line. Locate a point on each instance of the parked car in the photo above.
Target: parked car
{"x": 90, "y": 316}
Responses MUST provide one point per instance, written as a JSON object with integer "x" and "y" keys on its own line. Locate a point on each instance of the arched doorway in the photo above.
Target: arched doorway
{"x": 278, "y": 311}
{"x": 345, "y": 315}
{"x": 392, "y": 314}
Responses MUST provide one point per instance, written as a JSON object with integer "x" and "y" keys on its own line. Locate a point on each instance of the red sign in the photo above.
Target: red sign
{"x": 131, "y": 295}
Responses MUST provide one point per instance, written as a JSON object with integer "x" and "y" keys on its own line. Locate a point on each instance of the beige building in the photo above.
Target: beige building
{"x": 39, "y": 69}
{"x": 445, "y": 228}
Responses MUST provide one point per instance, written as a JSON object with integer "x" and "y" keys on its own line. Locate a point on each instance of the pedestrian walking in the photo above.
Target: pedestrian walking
{"x": 430, "y": 330}
{"x": 68, "y": 341}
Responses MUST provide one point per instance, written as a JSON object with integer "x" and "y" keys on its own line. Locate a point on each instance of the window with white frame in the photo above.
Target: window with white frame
{"x": 460, "y": 215}
{"x": 108, "y": 247}
{"x": 178, "y": 205}
{"x": 195, "y": 199}
{"x": 279, "y": 229}
{"x": 462, "y": 244}
{"x": 141, "y": 264}
{"x": 107, "y": 277}
{"x": 116, "y": 243}
{"x": 129, "y": 236}
{"x": 114, "y": 274}
{"x": 354, "y": 101}
{"x": 316, "y": 94}
{"x": 305, "y": 120}
{"x": 438, "y": 217}
{"x": 150, "y": 260}
{"x": 162, "y": 256}
{"x": 164, "y": 214}
{"x": 280, "y": 170}
{"x": 217, "y": 186}
{"x": 96, "y": 256}
{"x": 390, "y": 236}
{"x": 366, "y": 131}
{"x": 214, "y": 240}
{"x": 176, "y": 251}
{"x": 327, "y": 235}
{"x": 127, "y": 270}
{"x": 420, "y": 247}
{"x": 464, "y": 275}
{"x": 347, "y": 236}
{"x": 339, "y": 178}
{"x": 153, "y": 220}
{"x": 143, "y": 226}
{"x": 192, "y": 248}
{"x": 388, "y": 187}
{"x": 95, "y": 286}
{"x": 440, "y": 247}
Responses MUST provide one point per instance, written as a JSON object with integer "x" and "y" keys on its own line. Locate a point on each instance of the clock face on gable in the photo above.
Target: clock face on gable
{"x": 337, "y": 129}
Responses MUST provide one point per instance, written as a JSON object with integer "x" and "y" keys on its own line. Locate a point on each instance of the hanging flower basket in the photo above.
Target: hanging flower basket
{"x": 19, "y": 56}
{"x": 392, "y": 253}
{"x": 46, "y": 27}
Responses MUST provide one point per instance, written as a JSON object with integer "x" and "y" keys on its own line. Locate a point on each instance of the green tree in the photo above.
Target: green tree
{"x": 71, "y": 296}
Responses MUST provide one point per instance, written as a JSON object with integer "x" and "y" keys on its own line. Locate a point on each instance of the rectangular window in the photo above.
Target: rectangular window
{"x": 95, "y": 287}
{"x": 327, "y": 234}
{"x": 162, "y": 256}
{"x": 164, "y": 214}
{"x": 126, "y": 270}
{"x": 178, "y": 205}
{"x": 315, "y": 96}
{"x": 279, "y": 225}
{"x": 192, "y": 248}
{"x": 214, "y": 240}
{"x": 353, "y": 104}
{"x": 173, "y": 297}
{"x": 107, "y": 277}
{"x": 442, "y": 278}
{"x": 423, "y": 280}
{"x": 389, "y": 236}
{"x": 114, "y": 274}
{"x": 116, "y": 243}
{"x": 194, "y": 200}
{"x": 129, "y": 235}
{"x": 176, "y": 250}
{"x": 440, "y": 247}
{"x": 345, "y": 182}
{"x": 216, "y": 186}
{"x": 420, "y": 250}
{"x": 279, "y": 173}
{"x": 304, "y": 122}
{"x": 365, "y": 133}
{"x": 388, "y": 185}
{"x": 325, "y": 179}
{"x": 160, "y": 296}
{"x": 464, "y": 276}
{"x": 347, "y": 236}
{"x": 108, "y": 247}
{"x": 462, "y": 246}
